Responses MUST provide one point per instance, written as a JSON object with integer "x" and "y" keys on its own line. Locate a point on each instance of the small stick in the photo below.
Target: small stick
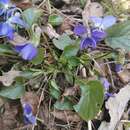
{"x": 89, "y": 125}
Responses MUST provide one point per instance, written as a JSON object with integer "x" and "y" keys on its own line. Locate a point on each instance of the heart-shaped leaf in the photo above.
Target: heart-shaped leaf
{"x": 13, "y": 92}
{"x": 55, "y": 20}
{"x": 119, "y": 36}
{"x": 54, "y": 90}
{"x": 70, "y": 50}
{"x": 92, "y": 95}
{"x": 31, "y": 15}
{"x": 64, "y": 105}
{"x": 39, "y": 58}
{"x": 63, "y": 41}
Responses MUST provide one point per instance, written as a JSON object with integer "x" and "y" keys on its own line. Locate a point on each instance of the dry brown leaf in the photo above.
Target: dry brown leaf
{"x": 50, "y": 31}
{"x": 127, "y": 66}
{"x": 8, "y": 118}
{"x": 32, "y": 99}
{"x": 96, "y": 9}
{"x": 3, "y": 60}
{"x": 116, "y": 106}
{"x": 23, "y": 4}
{"x": 67, "y": 1}
{"x": 72, "y": 91}
{"x": 124, "y": 76}
{"x": 47, "y": 118}
{"x": 66, "y": 25}
{"x": 8, "y": 78}
{"x": 18, "y": 40}
{"x": 93, "y": 9}
{"x": 66, "y": 116}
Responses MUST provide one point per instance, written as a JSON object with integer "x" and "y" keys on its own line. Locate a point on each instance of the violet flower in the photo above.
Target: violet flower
{"x": 27, "y": 51}
{"x": 89, "y": 41}
{"x": 5, "y": 5}
{"x": 29, "y": 118}
{"x": 103, "y": 23}
{"x": 7, "y": 28}
{"x": 97, "y": 32}
{"x": 106, "y": 85}
{"x": 118, "y": 67}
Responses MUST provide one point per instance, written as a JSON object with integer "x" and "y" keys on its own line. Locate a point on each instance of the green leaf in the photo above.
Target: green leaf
{"x": 64, "y": 105}
{"x": 6, "y": 49}
{"x": 39, "y": 58}
{"x": 92, "y": 95}
{"x": 119, "y": 36}
{"x": 55, "y": 20}
{"x": 54, "y": 90}
{"x": 63, "y": 41}
{"x": 13, "y": 92}
{"x": 32, "y": 15}
{"x": 74, "y": 61}
{"x": 28, "y": 74}
{"x": 83, "y": 3}
{"x": 70, "y": 50}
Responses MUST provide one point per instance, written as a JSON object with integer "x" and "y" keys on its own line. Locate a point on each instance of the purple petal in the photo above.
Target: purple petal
{"x": 2, "y": 11}
{"x": 105, "y": 83}
{"x": 105, "y": 22}
{"x": 29, "y": 119}
{"x": 87, "y": 42}
{"x": 118, "y": 67}
{"x": 17, "y": 20}
{"x": 27, "y": 109}
{"x": 32, "y": 119}
{"x": 96, "y": 20}
{"x": 6, "y": 30}
{"x": 79, "y": 30}
{"x": 107, "y": 95}
{"x": 4, "y": 1}
{"x": 19, "y": 48}
{"x": 11, "y": 11}
{"x": 108, "y": 21}
{"x": 28, "y": 52}
{"x": 98, "y": 35}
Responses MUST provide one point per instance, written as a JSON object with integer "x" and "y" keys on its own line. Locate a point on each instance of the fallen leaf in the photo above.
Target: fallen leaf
{"x": 66, "y": 116}
{"x": 66, "y": 25}
{"x": 67, "y": 1}
{"x": 116, "y": 106}
{"x": 93, "y": 9}
{"x": 124, "y": 76}
{"x": 50, "y": 31}
{"x": 8, "y": 78}
{"x": 47, "y": 118}
{"x": 8, "y": 118}
{"x": 24, "y": 4}
{"x": 127, "y": 66}
{"x": 72, "y": 91}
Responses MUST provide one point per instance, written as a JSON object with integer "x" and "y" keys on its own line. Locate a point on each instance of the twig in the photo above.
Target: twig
{"x": 112, "y": 82}
{"x": 42, "y": 3}
{"x": 41, "y": 98}
{"x": 89, "y": 125}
